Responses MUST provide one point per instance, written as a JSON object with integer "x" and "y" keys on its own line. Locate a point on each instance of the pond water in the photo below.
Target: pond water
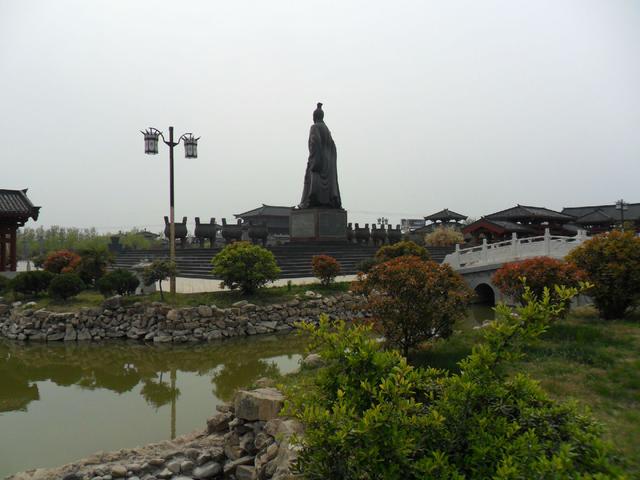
{"x": 61, "y": 402}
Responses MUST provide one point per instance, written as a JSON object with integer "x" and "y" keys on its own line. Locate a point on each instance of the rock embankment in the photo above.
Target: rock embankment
{"x": 245, "y": 440}
{"x": 160, "y": 323}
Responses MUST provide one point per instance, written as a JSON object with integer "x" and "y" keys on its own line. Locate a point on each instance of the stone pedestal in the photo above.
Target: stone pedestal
{"x": 318, "y": 225}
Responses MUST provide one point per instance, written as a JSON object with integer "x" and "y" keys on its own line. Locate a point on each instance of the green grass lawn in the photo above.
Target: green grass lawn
{"x": 581, "y": 358}
{"x": 266, "y": 296}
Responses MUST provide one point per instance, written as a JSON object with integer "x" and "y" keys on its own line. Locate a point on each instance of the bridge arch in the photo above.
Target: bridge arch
{"x": 485, "y": 294}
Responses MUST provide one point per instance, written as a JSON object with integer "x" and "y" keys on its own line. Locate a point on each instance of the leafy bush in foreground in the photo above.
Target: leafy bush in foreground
{"x": 413, "y": 301}
{"x": 31, "y": 283}
{"x": 66, "y": 285}
{"x": 326, "y": 268}
{"x": 443, "y": 237}
{"x": 93, "y": 263}
{"x": 159, "y": 271}
{"x": 245, "y": 266}
{"x": 612, "y": 264}
{"x": 119, "y": 281}
{"x": 373, "y": 416}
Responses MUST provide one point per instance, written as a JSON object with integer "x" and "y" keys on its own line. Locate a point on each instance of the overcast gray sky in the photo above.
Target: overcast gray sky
{"x": 471, "y": 105}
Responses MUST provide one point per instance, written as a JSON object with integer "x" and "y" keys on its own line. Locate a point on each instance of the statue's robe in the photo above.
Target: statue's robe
{"x": 321, "y": 178}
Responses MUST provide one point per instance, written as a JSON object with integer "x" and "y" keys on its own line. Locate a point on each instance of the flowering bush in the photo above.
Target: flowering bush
{"x": 401, "y": 249}
{"x": 62, "y": 261}
{"x": 612, "y": 264}
{"x": 325, "y": 268}
{"x": 539, "y": 272}
{"x": 443, "y": 237}
{"x": 413, "y": 300}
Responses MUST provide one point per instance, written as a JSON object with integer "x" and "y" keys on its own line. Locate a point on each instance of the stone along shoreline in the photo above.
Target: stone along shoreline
{"x": 160, "y": 323}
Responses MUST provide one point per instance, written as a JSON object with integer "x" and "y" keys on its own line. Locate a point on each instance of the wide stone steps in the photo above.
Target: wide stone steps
{"x": 293, "y": 260}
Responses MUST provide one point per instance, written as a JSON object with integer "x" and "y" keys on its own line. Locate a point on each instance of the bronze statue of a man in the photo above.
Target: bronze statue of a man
{"x": 321, "y": 178}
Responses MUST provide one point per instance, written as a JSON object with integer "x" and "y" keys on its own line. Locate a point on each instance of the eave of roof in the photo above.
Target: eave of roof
{"x": 446, "y": 214}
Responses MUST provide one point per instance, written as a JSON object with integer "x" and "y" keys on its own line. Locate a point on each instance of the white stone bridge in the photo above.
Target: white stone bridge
{"x": 478, "y": 264}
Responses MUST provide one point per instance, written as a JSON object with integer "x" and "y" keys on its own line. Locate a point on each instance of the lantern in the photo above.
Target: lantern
{"x": 151, "y": 141}
{"x": 190, "y": 146}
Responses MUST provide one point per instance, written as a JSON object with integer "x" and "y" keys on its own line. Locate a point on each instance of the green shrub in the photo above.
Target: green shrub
{"x": 31, "y": 283}
{"x": 244, "y": 266}
{"x": 119, "y": 281}
{"x": 401, "y": 249}
{"x": 413, "y": 301}
{"x": 66, "y": 285}
{"x": 62, "y": 261}
{"x": 540, "y": 273}
{"x": 612, "y": 264}
{"x": 4, "y": 284}
{"x": 93, "y": 263}
{"x": 373, "y": 416}
{"x": 158, "y": 271}
{"x": 365, "y": 265}
{"x": 325, "y": 268}
{"x": 443, "y": 237}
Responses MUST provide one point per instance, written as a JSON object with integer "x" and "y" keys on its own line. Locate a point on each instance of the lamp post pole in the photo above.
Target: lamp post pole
{"x": 191, "y": 151}
{"x": 622, "y": 206}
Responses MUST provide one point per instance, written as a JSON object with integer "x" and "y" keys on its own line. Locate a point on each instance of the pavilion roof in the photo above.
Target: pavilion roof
{"x": 266, "y": 210}
{"x": 445, "y": 215}
{"x": 15, "y": 205}
{"x": 500, "y": 226}
{"x": 520, "y": 212}
{"x": 595, "y": 217}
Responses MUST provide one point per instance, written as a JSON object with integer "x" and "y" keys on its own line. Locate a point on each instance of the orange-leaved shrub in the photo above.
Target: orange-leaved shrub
{"x": 62, "y": 261}
{"x": 538, "y": 273}
{"x": 443, "y": 237}
{"x": 612, "y": 264}
{"x": 325, "y": 268}
{"x": 413, "y": 300}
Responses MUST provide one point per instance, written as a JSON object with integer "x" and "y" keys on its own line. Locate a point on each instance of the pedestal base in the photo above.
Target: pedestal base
{"x": 318, "y": 225}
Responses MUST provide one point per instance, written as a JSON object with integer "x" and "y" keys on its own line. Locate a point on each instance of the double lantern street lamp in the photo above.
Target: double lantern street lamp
{"x": 622, "y": 206}
{"x": 151, "y": 136}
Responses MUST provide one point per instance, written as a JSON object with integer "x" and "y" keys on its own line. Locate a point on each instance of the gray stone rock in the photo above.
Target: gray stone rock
{"x": 313, "y": 360}
{"x": 260, "y": 404}
{"x": 245, "y": 472}
{"x": 218, "y": 423}
{"x": 239, "y": 304}
{"x": 207, "y": 470}
{"x": 118, "y": 471}
{"x": 113, "y": 303}
{"x": 186, "y": 466}
{"x": 174, "y": 466}
{"x": 205, "y": 311}
{"x": 230, "y": 467}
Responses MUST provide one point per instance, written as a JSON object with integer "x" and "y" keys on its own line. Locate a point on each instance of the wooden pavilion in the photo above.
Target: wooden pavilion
{"x": 15, "y": 210}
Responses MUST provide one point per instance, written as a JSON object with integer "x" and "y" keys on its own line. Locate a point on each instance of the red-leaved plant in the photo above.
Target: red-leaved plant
{"x": 325, "y": 268}
{"x": 62, "y": 261}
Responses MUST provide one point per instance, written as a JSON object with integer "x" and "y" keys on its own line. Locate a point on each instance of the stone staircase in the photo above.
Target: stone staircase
{"x": 293, "y": 259}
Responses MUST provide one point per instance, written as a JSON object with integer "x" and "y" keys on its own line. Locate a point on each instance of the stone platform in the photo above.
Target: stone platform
{"x": 318, "y": 225}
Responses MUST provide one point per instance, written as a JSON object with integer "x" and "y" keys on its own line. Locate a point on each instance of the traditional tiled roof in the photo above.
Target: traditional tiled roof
{"x": 631, "y": 213}
{"x": 445, "y": 215}
{"x": 499, "y": 225}
{"x": 595, "y": 217}
{"x": 523, "y": 211}
{"x": 15, "y": 205}
{"x": 266, "y": 210}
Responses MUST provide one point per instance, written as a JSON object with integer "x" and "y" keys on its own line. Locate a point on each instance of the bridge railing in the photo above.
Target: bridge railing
{"x": 548, "y": 245}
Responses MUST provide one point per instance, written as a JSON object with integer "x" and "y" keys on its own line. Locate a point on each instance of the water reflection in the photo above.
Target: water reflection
{"x": 120, "y": 367}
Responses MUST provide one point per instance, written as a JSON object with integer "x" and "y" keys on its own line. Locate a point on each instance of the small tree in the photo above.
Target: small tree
{"x": 414, "y": 300}
{"x": 401, "y": 249}
{"x": 245, "y": 266}
{"x": 159, "y": 271}
{"x": 325, "y": 268}
{"x": 66, "y": 285}
{"x": 443, "y": 237}
{"x": 31, "y": 283}
{"x": 62, "y": 261}
{"x": 119, "y": 281}
{"x": 612, "y": 264}
{"x": 539, "y": 273}
{"x": 93, "y": 265}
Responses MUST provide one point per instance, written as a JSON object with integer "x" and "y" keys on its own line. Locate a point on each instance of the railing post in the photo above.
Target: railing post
{"x": 547, "y": 242}
{"x": 484, "y": 251}
{"x": 514, "y": 244}
{"x": 456, "y": 257}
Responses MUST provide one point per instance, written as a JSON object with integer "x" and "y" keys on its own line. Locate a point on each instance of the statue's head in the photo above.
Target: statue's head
{"x": 318, "y": 114}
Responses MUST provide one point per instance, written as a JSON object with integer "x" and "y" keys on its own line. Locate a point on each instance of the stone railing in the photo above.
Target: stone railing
{"x": 160, "y": 323}
{"x": 515, "y": 249}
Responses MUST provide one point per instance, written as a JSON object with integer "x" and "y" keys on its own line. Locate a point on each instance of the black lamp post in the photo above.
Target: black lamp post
{"x": 190, "y": 151}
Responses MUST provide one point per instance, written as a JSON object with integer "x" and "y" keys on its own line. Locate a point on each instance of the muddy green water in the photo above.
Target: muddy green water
{"x": 59, "y": 403}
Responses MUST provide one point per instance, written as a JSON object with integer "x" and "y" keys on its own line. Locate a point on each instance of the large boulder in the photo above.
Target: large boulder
{"x": 260, "y": 404}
